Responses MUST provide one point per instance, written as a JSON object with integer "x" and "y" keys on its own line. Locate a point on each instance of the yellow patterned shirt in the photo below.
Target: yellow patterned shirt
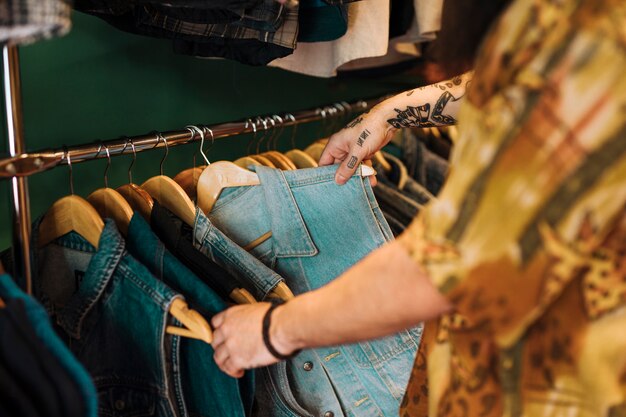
{"x": 528, "y": 237}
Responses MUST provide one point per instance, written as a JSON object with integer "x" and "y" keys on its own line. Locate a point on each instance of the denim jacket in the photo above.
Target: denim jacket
{"x": 112, "y": 313}
{"x": 208, "y": 391}
{"x": 319, "y": 230}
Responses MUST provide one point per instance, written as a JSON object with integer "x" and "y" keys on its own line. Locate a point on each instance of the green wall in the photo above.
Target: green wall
{"x": 101, "y": 83}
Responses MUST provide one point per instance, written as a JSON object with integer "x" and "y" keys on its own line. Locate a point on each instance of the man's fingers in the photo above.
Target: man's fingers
{"x": 231, "y": 369}
{"x": 327, "y": 158}
{"x": 220, "y": 355}
{"x": 217, "y": 320}
{"x": 348, "y": 167}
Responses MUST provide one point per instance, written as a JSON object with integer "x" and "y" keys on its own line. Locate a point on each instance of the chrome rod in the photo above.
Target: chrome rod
{"x": 20, "y": 203}
{"x": 25, "y": 164}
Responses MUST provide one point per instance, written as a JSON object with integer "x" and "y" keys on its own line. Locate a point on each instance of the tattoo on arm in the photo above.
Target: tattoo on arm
{"x": 352, "y": 162}
{"x": 355, "y": 122}
{"x": 421, "y": 116}
{"x": 361, "y": 139}
{"x": 410, "y": 93}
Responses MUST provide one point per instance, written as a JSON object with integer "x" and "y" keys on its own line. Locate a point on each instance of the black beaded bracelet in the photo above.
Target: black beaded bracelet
{"x": 267, "y": 321}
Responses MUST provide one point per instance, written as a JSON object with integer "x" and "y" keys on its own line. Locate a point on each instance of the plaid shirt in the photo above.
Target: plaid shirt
{"x": 285, "y": 34}
{"x": 26, "y": 21}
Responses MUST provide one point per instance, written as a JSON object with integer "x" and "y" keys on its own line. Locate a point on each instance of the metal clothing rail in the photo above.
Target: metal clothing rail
{"x": 25, "y": 164}
{"x": 20, "y": 203}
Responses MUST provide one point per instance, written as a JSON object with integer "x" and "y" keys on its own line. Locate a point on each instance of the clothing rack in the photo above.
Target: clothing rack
{"x": 21, "y": 164}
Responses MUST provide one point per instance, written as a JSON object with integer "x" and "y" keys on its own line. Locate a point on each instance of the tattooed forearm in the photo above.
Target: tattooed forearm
{"x": 422, "y": 116}
{"x": 355, "y": 122}
{"x": 352, "y": 162}
{"x": 362, "y": 137}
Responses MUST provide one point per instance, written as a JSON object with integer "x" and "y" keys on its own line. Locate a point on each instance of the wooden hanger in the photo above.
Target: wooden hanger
{"x": 169, "y": 194}
{"x": 138, "y": 199}
{"x": 264, "y": 161}
{"x": 196, "y": 326}
{"x": 246, "y": 161}
{"x": 188, "y": 179}
{"x": 242, "y": 296}
{"x": 315, "y": 150}
{"x": 301, "y": 159}
{"x": 109, "y": 203}
{"x": 70, "y": 214}
{"x": 220, "y": 175}
{"x": 279, "y": 160}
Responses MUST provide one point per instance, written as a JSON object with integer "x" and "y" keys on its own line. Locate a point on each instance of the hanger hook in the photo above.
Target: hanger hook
{"x": 68, "y": 158}
{"x": 106, "y": 170}
{"x": 206, "y": 159}
{"x": 253, "y": 124}
{"x": 193, "y": 136}
{"x": 272, "y": 133}
{"x": 293, "y": 130}
{"x": 281, "y": 128}
{"x": 167, "y": 150}
{"x": 130, "y": 167}
{"x": 263, "y": 122}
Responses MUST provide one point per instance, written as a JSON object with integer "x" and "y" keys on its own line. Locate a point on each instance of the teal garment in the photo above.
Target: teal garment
{"x": 319, "y": 21}
{"x": 43, "y": 329}
{"x": 206, "y": 389}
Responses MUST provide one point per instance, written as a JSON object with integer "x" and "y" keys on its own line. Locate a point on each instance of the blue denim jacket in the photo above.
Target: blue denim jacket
{"x": 112, "y": 313}
{"x": 257, "y": 278}
{"x": 319, "y": 230}
{"x": 208, "y": 391}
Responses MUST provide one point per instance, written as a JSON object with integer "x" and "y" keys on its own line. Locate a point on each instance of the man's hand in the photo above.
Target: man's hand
{"x": 355, "y": 143}
{"x": 238, "y": 338}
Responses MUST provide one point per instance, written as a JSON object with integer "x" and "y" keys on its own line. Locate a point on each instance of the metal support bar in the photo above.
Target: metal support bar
{"x": 25, "y": 164}
{"x": 20, "y": 204}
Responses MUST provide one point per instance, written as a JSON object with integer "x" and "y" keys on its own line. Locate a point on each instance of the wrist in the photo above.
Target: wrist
{"x": 283, "y": 338}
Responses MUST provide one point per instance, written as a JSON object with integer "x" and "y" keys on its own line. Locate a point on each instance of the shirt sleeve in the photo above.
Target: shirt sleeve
{"x": 536, "y": 181}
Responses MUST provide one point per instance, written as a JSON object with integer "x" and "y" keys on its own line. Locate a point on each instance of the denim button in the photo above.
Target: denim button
{"x": 120, "y": 405}
{"x": 308, "y": 366}
{"x": 329, "y": 414}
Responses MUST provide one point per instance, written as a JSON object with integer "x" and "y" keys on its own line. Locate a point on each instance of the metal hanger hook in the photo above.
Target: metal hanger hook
{"x": 272, "y": 133}
{"x": 206, "y": 159}
{"x": 167, "y": 150}
{"x": 281, "y": 128}
{"x": 130, "y": 167}
{"x": 192, "y": 129}
{"x": 106, "y": 169}
{"x": 253, "y": 124}
{"x": 293, "y": 131}
{"x": 69, "y": 165}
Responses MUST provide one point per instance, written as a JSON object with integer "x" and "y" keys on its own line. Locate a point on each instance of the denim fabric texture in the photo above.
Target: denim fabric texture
{"x": 394, "y": 202}
{"x": 40, "y": 323}
{"x": 425, "y": 166}
{"x": 112, "y": 313}
{"x": 208, "y": 392}
{"x": 320, "y": 229}
{"x": 411, "y": 187}
{"x": 178, "y": 239}
{"x": 256, "y": 277}
{"x": 395, "y": 225}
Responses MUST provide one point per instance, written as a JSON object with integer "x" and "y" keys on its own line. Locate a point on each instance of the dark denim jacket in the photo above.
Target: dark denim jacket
{"x": 112, "y": 313}
{"x": 208, "y": 391}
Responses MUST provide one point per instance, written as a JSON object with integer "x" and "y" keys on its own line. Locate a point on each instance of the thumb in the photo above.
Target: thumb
{"x": 348, "y": 167}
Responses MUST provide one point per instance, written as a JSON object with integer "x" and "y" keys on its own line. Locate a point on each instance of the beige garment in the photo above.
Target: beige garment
{"x": 367, "y": 36}
{"x": 424, "y": 28}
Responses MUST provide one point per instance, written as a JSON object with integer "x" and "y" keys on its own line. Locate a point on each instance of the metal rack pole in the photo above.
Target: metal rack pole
{"x": 19, "y": 199}
{"x": 26, "y": 164}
